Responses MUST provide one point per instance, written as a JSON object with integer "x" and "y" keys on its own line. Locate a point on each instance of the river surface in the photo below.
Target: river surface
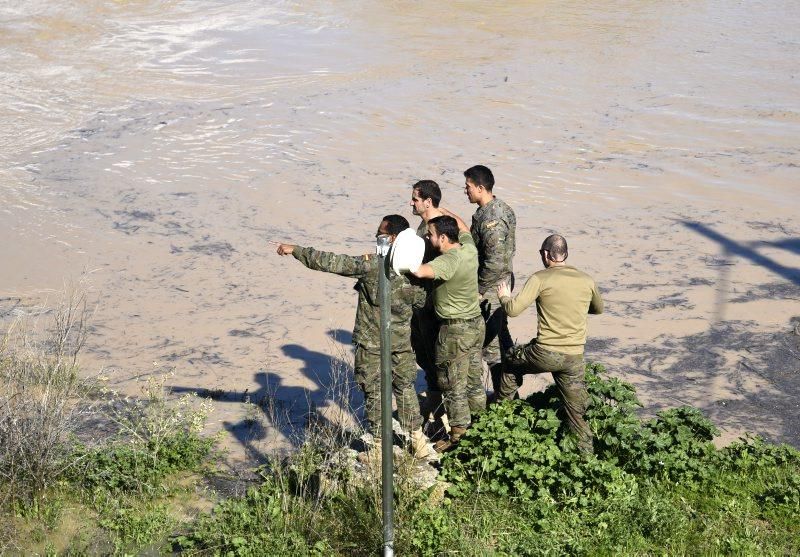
{"x": 152, "y": 148}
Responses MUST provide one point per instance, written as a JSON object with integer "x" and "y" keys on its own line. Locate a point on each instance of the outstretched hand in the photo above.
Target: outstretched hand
{"x": 284, "y": 249}
{"x": 503, "y": 290}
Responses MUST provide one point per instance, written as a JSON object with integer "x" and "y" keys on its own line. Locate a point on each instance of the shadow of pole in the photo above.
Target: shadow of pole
{"x": 748, "y": 252}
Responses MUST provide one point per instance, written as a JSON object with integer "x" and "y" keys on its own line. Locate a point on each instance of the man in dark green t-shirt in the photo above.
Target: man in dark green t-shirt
{"x": 461, "y": 332}
{"x": 563, "y": 296}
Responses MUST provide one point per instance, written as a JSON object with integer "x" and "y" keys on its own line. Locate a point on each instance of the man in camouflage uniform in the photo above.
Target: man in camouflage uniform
{"x": 494, "y": 230}
{"x": 563, "y": 296}
{"x": 461, "y": 327}
{"x": 425, "y": 198}
{"x": 366, "y": 332}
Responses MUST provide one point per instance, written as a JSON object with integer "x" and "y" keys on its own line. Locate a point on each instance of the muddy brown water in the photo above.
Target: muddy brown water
{"x": 153, "y": 148}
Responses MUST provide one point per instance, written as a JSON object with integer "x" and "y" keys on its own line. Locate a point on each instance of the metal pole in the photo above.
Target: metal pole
{"x": 387, "y": 467}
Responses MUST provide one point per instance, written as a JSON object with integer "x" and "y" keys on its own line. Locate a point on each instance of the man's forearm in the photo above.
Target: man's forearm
{"x": 526, "y": 297}
{"x": 329, "y": 262}
{"x": 462, "y": 226}
{"x": 424, "y": 271}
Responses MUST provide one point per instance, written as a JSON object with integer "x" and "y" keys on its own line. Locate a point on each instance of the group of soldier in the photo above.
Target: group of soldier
{"x": 451, "y": 313}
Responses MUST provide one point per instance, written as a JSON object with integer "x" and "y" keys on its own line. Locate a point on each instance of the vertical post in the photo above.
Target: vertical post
{"x": 387, "y": 460}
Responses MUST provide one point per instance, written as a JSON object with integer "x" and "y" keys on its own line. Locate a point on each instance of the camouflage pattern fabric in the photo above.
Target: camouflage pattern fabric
{"x": 404, "y": 375}
{"x": 498, "y": 339}
{"x": 568, "y": 371}
{"x": 494, "y": 231}
{"x": 366, "y": 331}
{"x": 458, "y": 368}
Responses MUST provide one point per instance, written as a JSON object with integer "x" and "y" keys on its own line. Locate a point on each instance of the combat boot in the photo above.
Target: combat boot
{"x": 456, "y": 433}
{"x": 420, "y": 446}
{"x": 372, "y": 454}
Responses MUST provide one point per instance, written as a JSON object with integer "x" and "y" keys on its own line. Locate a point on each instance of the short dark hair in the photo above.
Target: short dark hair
{"x": 446, "y": 226}
{"x": 428, "y": 189}
{"x": 556, "y": 244}
{"x": 480, "y": 176}
{"x": 395, "y": 224}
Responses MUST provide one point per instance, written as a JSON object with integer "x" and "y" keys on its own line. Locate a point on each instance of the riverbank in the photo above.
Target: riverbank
{"x": 515, "y": 484}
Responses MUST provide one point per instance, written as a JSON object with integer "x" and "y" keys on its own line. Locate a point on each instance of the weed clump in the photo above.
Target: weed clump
{"x": 154, "y": 438}
{"x": 42, "y": 399}
{"x": 122, "y": 485}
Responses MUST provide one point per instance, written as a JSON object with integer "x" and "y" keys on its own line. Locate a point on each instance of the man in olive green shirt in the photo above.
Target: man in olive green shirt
{"x": 563, "y": 296}
{"x": 461, "y": 331}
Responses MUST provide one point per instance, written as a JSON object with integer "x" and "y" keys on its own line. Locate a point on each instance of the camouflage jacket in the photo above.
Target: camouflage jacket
{"x": 365, "y": 268}
{"x": 494, "y": 231}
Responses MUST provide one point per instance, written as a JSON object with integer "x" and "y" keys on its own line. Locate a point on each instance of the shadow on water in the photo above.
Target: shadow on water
{"x": 789, "y": 244}
{"x": 741, "y": 376}
{"x": 731, "y": 249}
{"x": 749, "y": 250}
{"x": 738, "y": 376}
{"x": 280, "y": 412}
{"x": 341, "y": 336}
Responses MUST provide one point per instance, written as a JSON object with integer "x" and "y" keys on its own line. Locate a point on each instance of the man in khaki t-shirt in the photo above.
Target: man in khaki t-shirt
{"x": 563, "y": 296}
{"x": 461, "y": 331}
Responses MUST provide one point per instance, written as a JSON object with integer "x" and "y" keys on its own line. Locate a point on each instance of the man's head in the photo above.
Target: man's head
{"x": 554, "y": 250}
{"x": 391, "y": 226}
{"x": 478, "y": 184}
{"x": 443, "y": 232}
{"x": 425, "y": 194}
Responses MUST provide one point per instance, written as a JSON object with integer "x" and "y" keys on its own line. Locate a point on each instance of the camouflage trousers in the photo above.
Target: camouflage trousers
{"x": 498, "y": 339}
{"x": 404, "y": 375}
{"x": 569, "y": 374}
{"x": 459, "y": 369}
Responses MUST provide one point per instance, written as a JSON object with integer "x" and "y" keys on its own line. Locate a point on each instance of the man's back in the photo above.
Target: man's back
{"x": 455, "y": 292}
{"x": 564, "y": 296}
{"x": 494, "y": 230}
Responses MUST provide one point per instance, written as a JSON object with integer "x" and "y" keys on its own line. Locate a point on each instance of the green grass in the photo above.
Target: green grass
{"x": 517, "y": 486}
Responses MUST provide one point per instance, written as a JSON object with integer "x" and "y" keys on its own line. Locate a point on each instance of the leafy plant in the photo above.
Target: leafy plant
{"x": 754, "y": 455}
{"x": 782, "y": 492}
{"x": 134, "y": 526}
{"x": 677, "y": 446}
